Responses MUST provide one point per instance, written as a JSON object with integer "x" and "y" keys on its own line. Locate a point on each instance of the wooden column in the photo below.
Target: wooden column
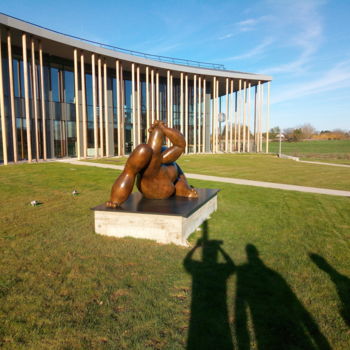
{"x": 186, "y": 112}
{"x": 147, "y": 103}
{"x": 171, "y": 100}
{"x": 213, "y": 133}
{"x": 117, "y": 77}
{"x": 267, "y": 117}
{"x": 100, "y": 105}
{"x": 181, "y": 102}
{"x": 12, "y": 97}
{"x": 43, "y": 110}
{"x": 94, "y": 104}
{"x": 76, "y": 100}
{"x": 168, "y": 97}
{"x": 239, "y": 114}
{"x": 226, "y": 117}
{"x": 244, "y": 114}
{"x": 217, "y": 114}
{"x": 204, "y": 114}
{"x": 138, "y": 107}
{"x": 199, "y": 113}
{"x": 122, "y": 111}
{"x": 83, "y": 102}
{"x": 157, "y": 94}
{"x": 261, "y": 115}
{"x": 26, "y": 95}
{"x": 235, "y": 121}
{"x": 231, "y": 113}
{"x": 106, "y": 107}
{"x": 35, "y": 99}
{"x": 133, "y": 111}
{"x": 2, "y": 110}
{"x": 255, "y": 117}
{"x": 152, "y": 97}
{"x": 249, "y": 108}
{"x": 195, "y": 114}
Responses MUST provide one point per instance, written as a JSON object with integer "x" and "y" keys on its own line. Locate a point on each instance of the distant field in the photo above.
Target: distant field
{"x": 334, "y": 151}
{"x": 260, "y": 167}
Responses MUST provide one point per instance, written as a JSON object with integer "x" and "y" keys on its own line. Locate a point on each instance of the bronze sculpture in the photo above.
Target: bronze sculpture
{"x": 154, "y": 167}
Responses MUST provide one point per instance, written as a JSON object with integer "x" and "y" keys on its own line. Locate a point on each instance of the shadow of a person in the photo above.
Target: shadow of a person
{"x": 209, "y": 324}
{"x": 342, "y": 284}
{"x": 279, "y": 320}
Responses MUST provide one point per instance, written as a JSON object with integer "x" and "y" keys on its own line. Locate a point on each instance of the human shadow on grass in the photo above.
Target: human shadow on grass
{"x": 209, "y": 322}
{"x": 278, "y": 318}
{"x": 341, "y": 282}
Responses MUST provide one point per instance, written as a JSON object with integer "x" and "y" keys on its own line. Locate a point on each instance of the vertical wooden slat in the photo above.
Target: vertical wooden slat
{"x": 43, "y": 110}
{"x": 147, "y": 102}
{"x": 186, "y": 112}
{"x": 226, "y": 117}
{"x": 2, "y": 111}
{"x": 138, "y": 105}
{"x": 157, "y": 94}
{"x": 213, "y": 132}
{"x": 117, "y": 77}
{"x": 181, "y": 102}
{"x": 199, "y": 112}
{"x": 195, "y": 114}
{"x": 122, "y": 111}
{"x": 12, "y": 97}
{"x": 152, "y": 97}
{"x": 26, "y": 96}
{"x": 244, "y": 114}
{"x": 231, "y": 113}
{"x": 133, "y": 105}
{"x": 267, "y": 117}
{"x": 100, "y": 105}
{"x": 94, "y": 105}
{"x": 204, "y": 114}
{"x": 83, "y": 102}
{"x": 76, "y": 100}
{"x": 35, "y": 100}
{"x": 106, "y": 107}
{"x": 248, "y": 122}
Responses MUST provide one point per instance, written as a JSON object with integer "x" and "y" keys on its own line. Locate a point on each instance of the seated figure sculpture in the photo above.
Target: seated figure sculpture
{"x": 153, "y": 167}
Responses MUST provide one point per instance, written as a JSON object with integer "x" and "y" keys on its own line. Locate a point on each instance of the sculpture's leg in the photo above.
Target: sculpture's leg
{"x": 182, "y": 188}
{"x": 124, "y": 184}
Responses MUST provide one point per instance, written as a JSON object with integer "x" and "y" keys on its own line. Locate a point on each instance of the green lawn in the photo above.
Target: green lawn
{"x": 64, "y": 287}
{"x": 332, "y": 151}
{"x": 261, "y": 167}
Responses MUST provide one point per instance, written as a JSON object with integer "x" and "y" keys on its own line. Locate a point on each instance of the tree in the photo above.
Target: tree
{"x": 307, "y": 131}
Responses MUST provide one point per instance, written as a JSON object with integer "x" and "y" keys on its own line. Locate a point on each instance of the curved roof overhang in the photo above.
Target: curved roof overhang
{"x": 61, "y": 45}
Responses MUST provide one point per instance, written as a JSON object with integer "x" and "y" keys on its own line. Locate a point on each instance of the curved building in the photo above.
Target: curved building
{"x": 62, "y": 96}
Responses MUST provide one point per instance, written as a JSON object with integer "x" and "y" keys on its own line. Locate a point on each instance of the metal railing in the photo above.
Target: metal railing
{"x": 167, "y": 59}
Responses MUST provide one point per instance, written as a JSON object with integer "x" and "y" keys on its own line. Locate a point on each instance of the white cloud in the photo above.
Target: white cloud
{"x": 338, "y": 77}
{"x": 256, "y": 51}
{"x": 303, "y": 30}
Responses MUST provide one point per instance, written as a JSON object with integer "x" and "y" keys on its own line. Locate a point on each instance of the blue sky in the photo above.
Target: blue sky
{"x": 303, "y": 44}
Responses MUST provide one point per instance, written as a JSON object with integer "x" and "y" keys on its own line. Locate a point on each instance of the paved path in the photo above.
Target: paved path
{"x": 322, "y": 163}
{"x": 229, "y": 180}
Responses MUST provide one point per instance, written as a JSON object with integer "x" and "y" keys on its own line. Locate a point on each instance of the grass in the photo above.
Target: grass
{"x": 261, "y": 167}
{"x": 64, "y": 287}
{"x": 332, "y": 151}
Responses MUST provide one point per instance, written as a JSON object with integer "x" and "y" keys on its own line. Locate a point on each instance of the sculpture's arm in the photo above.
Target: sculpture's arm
{"x": 178, "y": 141}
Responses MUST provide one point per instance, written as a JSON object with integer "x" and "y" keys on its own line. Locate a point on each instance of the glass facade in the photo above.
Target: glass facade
{"x": 56, "y": 135}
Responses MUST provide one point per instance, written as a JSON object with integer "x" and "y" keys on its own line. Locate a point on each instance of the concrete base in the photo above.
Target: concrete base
{"x": 165, "y": 221}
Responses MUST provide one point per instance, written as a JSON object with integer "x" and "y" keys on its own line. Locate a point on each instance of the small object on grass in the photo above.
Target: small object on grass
{"x": 75, "y": 193}
{"x": 35, "y": 203}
